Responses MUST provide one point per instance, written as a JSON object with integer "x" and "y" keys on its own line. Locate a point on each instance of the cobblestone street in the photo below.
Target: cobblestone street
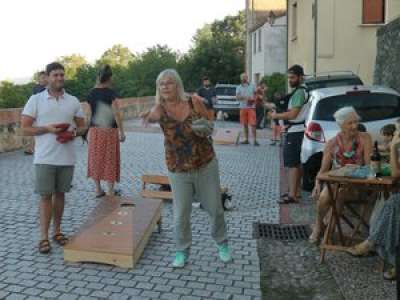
{"x": 251, "y": 175}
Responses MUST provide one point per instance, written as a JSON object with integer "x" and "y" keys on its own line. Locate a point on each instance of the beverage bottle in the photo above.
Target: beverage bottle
{"x": 376, "y": 160}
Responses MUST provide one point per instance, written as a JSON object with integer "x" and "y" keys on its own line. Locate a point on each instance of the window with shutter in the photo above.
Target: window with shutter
{"x": 373, "y": 11}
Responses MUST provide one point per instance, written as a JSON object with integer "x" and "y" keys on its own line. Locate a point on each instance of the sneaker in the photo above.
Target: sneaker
{"x": 196, "y": 204}
{"x": 180, "y": 260}
{"x": 256, "y": 144}
{"x": 245, "y": 143}
{"x": 273, "y": 143}
{"x": 224, "y": 253}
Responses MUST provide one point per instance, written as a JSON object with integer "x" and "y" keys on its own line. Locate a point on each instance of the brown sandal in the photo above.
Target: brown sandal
{"x": 60, "y": 239}
{"x": 44, "y": 246}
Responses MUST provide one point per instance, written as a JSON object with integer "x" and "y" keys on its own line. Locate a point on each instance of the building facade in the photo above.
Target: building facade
{"x": 337, "y": 35}
{"x": 269, "y": 48}
{"x": 257, "y": 13}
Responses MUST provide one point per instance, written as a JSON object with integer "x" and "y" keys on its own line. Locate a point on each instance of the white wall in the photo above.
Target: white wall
{"x": 272, "y": 57}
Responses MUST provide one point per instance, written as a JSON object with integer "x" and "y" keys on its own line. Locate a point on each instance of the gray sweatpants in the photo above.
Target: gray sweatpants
{"x": 205, "y": 185}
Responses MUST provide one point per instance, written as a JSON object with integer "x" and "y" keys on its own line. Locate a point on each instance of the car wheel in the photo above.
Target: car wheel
{"x": 310, "y": 171}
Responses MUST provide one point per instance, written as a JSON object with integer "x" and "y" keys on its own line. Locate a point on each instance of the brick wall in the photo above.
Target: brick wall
{"x": 11, "y": 139}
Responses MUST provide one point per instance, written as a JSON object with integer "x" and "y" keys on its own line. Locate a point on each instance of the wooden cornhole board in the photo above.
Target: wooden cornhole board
{"x": 160, "y": 180}
{"x": 116, "y": 232}
{"x": 155, "y": 179}
{"x": 227, "y": 136}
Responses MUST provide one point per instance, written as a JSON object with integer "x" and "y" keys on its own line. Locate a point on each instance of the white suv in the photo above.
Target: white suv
{"x": 376, "y": 105}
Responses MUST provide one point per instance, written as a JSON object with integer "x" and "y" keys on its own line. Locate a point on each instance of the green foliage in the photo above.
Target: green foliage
{"x": 118, "y": 55}
{"x": 84, "y": 80}
{"x": 147, "y": 67}
{"x": 12, "y": 95}
{"x": 276, "y": 83}
{"x": 72, "y": 63}
{"x": 217, "y": 51}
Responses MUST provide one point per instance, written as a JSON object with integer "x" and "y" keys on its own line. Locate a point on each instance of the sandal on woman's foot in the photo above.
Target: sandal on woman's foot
{"x": 316, "y": 234}
{"x": 390, "y": 274}
{"x": 60, "y": 239}
{"x": 101, "y": 194}
{"x": 362, "y": 249}
{"x": 287, "y": 200}
{"x": 44, "y": 246}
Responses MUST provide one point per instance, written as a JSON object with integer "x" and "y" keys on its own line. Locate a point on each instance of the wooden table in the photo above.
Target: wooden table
{"x": 381, "y": 184}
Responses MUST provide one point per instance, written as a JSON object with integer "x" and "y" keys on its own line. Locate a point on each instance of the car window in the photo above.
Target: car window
{"x": 226, "y": 91}
{"x": 371, "y": 107}
{"x": 332, "y": 83}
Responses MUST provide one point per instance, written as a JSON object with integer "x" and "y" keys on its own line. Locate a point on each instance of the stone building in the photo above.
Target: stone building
{"x": 337, "y": 35}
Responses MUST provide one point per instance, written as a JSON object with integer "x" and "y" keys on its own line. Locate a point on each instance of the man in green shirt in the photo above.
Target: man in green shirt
{"x": 295, "y": 133}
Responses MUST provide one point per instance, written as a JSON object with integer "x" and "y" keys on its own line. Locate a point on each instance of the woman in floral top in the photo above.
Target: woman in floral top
{"x": 192, "y": 165}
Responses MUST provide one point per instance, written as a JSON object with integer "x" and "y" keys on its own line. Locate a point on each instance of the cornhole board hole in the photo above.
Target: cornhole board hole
{"x": 162, "y": 181}
{"x": 116, "y": 232}
{"x": 227, "y": 136}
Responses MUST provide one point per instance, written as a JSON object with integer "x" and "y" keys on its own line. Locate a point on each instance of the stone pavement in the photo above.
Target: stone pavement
{"x": 292, "y": 270}
{"x": 249, "y": 172}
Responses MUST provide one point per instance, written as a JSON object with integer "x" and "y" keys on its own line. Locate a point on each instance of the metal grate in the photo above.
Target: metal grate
{"x": 281, "y": 232}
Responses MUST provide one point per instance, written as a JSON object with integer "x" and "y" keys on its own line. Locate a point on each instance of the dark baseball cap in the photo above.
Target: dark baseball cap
{"x": 296, "y": 70}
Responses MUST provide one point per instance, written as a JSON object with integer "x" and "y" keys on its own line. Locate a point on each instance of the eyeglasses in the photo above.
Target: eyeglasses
{"x": 166, "y": 83}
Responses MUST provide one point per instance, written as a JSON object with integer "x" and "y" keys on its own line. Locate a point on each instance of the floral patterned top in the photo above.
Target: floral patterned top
{"x": 184, "y": 150}
{"x": 353, "y": 155}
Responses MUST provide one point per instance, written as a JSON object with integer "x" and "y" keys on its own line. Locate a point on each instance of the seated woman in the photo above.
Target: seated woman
{"x": 350, "y": 146}
{"x": 384, "y": 233}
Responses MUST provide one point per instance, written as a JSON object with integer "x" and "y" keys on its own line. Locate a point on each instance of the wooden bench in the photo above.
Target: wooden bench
{"x": 116, "y": 232}
{"x": 162, "y": 181}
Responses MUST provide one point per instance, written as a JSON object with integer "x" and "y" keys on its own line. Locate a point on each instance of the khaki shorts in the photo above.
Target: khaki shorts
{"x": 53, "y": 179}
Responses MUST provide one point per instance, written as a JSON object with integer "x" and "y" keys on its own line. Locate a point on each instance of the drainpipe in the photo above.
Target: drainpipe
{"x": 287, "y": 40}
{"x": 315, "y": 11}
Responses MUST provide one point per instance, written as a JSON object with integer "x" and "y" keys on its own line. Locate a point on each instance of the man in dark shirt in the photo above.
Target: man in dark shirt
{"x": 207, "y": 91}
{"x": 42, "y": 83}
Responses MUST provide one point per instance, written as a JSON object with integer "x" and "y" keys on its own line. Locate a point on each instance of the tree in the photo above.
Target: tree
{"x": 12, "y": 95}
{"x": 117, "y": 55}
{"x": 275, "y": 83}
{"x": 83, "y": 82}
{"x": 71, "y": 64}
{"x": 218, "y": 52}
{"x": 145, "y": 69}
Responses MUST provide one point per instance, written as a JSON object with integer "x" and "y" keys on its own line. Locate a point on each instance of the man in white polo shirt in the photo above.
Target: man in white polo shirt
{"x": 54, "y": 118}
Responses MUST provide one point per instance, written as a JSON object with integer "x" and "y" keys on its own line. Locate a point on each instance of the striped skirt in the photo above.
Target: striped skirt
{"x": 104, "y": 154}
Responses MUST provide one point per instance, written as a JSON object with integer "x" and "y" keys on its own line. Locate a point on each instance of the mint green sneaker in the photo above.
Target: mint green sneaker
{"x": 180, "y": 259}
{"x": 224, "y": 253}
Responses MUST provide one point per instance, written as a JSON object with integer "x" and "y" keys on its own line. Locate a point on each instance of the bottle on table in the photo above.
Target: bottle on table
{"x": 376, "y": 161}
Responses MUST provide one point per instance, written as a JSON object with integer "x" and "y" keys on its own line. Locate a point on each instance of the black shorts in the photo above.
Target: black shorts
{"x": 292, "y": 149}
{"x": 276, "y": 122}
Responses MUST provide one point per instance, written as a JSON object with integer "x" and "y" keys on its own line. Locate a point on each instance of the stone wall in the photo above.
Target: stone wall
{"x": 388, "y": 57}
{"x": 11, "y": 139}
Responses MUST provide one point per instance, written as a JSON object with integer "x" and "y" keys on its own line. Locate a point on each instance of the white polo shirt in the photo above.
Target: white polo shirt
{"x": 47, "y": 110}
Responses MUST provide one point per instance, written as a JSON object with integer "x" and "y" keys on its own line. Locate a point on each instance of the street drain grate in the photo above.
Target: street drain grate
{"x": 280, "y": 232}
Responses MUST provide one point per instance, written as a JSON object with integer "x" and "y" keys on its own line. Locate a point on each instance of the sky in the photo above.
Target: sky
{"x": 36, "y": 32}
